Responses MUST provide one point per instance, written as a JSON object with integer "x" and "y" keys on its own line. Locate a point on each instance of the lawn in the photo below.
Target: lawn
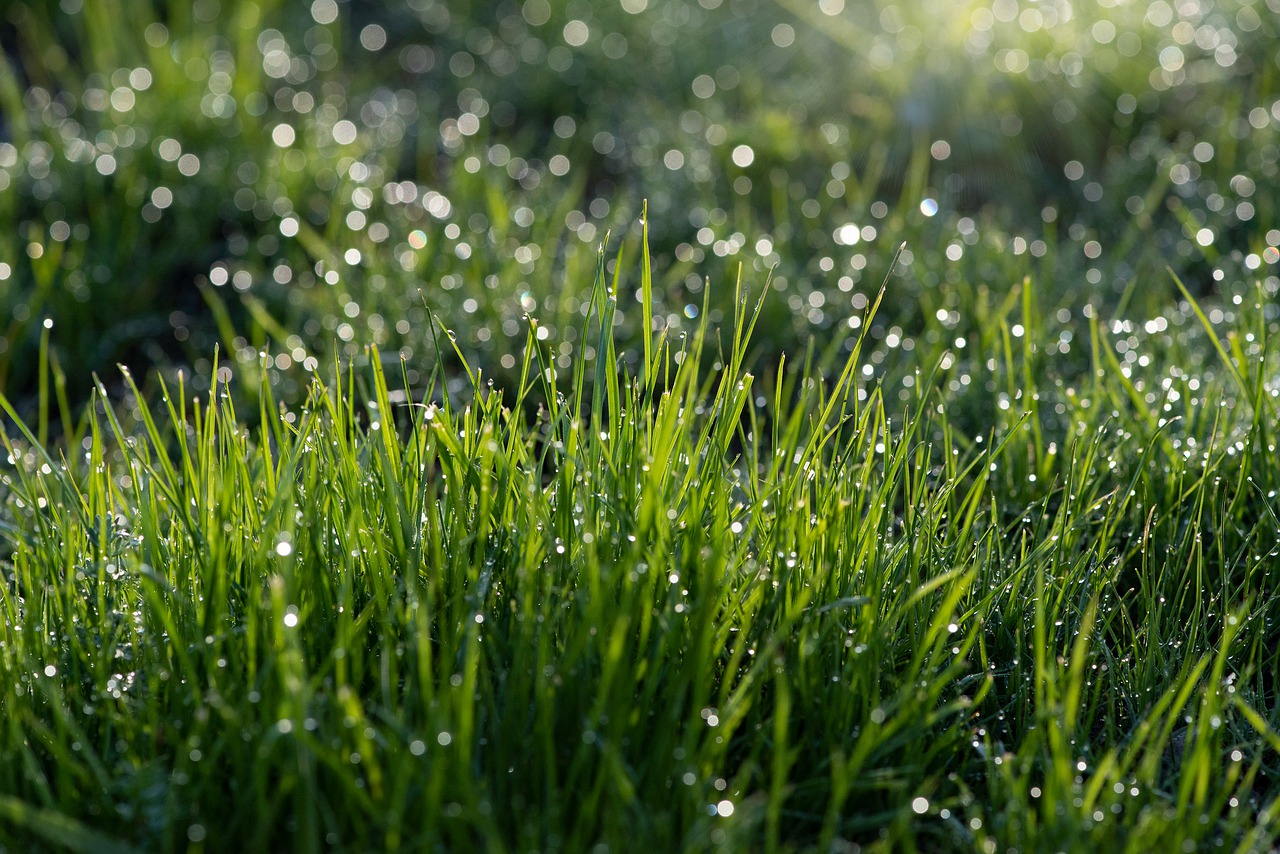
{"x": 655, "y": 425}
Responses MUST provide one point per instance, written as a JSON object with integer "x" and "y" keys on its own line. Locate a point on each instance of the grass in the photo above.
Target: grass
{"x": 273, "y": 162}
{"x": 900, "y": 476}
{"x": 679, "y": 608}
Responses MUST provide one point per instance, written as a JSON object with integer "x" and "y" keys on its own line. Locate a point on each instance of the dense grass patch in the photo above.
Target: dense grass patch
{"x": 676, "y": 608}
{"x": 877, "y": 484}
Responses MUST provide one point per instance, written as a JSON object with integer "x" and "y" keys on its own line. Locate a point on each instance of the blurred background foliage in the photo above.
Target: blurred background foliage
{"x": 305, "y": 179}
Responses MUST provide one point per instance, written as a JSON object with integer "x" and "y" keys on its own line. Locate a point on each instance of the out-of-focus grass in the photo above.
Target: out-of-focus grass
{"x": 344, "y": 157}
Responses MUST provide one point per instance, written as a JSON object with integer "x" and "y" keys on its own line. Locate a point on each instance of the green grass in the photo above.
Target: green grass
{"x": 880, "y": 487}
{"x": 675, "y": 608}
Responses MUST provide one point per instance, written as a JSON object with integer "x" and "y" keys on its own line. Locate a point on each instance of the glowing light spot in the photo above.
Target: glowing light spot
{"x": 576, "y": 33}
{"x": 122, "y": 99}
{"x": 324, "y": 11}
{"x": 373, "y": 37}
{"x": 344, "y": 132}
{"x": 283, "y": 135}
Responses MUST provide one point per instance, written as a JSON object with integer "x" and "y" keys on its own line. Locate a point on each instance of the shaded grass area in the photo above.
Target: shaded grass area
{"x": 677, "y": 607}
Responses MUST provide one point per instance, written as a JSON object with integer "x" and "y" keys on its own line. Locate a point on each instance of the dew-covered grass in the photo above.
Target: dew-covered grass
{"x": 676, "y": 608}
{"x": 639, "y": 425}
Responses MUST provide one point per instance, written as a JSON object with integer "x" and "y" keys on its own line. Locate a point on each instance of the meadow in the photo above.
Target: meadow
{"x": 667, "y": 425}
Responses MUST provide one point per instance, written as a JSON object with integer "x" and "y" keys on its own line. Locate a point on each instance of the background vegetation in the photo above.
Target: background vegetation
{"x": 311, "y": 169}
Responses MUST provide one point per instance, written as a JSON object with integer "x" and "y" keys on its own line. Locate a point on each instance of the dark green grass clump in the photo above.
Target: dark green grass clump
{"x": 683, "y": 610}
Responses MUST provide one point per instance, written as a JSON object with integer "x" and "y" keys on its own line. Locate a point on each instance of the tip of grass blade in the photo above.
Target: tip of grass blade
{"x": 1213, "y": 336}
